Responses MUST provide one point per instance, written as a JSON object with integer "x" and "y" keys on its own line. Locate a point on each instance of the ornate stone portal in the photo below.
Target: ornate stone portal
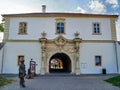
{"x": 60, "y": 45}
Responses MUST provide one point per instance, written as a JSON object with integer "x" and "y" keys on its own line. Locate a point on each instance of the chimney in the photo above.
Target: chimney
{"x": 43, "y": 8}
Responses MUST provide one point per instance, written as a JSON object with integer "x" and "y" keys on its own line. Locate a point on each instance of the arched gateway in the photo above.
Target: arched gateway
{"x": 60, "y": 54}
{"x": 60, "y": 62}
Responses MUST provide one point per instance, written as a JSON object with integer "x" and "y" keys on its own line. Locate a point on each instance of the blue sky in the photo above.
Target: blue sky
{"x": 82, "y": 6}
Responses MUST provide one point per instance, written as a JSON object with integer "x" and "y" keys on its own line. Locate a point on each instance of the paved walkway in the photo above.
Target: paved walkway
{"x": 64, "y": 82}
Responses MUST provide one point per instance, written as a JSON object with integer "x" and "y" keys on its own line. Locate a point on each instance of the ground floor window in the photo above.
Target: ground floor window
{"x": 20, "y": 57}
{"x": 98, "y": 61}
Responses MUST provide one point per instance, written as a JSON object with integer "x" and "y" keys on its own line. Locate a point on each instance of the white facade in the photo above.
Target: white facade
{"x": 37, "y": 25}
{"x": 89, "y": 50}
{"x": 1, "y": 36}
{"x": 90, "y": 45}
{"x": 12, "y": 50}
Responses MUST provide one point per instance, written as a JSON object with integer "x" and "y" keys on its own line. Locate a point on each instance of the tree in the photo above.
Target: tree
{"x": 1, "y": 27}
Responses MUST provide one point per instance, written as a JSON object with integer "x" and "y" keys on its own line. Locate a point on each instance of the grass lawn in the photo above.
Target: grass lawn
{"x": 5, "y": 81}
{"x": 114, "y": 81}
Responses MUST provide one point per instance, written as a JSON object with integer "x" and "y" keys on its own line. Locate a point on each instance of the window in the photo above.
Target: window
{"x": 98, "y": 61}
{"x": 60, "y": 26}
{"x": 22, "y": 28}
{"x": 96, "y": 28}
{"x": 21, "y": 57}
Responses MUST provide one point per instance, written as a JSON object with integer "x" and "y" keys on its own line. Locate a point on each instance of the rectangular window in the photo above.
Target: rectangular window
{"x": 60, "y": 27}
{"x": 21, "y": 57}
{"x": 96, "y": 28}
{"x": 22, "y": 28}
{"x": 98, "y": 61}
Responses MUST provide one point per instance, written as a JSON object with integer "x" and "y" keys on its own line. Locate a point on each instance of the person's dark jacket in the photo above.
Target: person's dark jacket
{"x": 22, "y": 71}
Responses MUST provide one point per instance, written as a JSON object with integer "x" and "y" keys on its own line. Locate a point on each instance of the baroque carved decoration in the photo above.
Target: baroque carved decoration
{"x": 77, "y": 34}
{"x": 43, "y": 34}
{"x": 60, "y": 44}
{"x": 60, "y": 41}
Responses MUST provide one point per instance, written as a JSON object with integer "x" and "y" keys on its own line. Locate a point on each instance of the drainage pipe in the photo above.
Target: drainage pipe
{"x": 2, "y": 59}
{"x": 115, "y": 42}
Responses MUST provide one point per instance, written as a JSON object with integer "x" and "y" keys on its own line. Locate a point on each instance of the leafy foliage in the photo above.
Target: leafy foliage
{"x": 1, "y": 27}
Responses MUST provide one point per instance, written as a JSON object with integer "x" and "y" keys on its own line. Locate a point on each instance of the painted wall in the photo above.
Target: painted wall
{"x": 13, "y": 49}
{"x": 37, "y": 25}
{"x": 1, "y": 36}
{"x": 88, "y": 51}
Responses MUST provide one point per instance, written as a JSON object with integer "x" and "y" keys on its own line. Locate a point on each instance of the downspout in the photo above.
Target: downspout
{"x": 116, "y": 56}
{"x": 2, "y": 60}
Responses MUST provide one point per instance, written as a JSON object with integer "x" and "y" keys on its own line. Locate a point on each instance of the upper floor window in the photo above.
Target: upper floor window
{"x": 96, "y": 28}
{"x": 60, "y": 26}
{"x": 22, "y": 28}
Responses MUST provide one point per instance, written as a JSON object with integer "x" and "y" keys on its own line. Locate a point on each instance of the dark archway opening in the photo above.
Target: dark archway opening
{"x": 60, "y": 62}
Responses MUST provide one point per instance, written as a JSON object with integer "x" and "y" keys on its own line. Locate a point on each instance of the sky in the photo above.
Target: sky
{"x": 78, "y": 6}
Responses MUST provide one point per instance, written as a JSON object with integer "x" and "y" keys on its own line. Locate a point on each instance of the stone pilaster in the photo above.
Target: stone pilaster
{"x": 77, "y": 41}
{"x": 6, "y": 30}
{"x": 43, "y": 61}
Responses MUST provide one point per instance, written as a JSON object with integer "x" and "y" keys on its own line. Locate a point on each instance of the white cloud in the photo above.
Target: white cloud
{"x": 114, "y": 3}
{"x": 97, "y": 6}
{"x": 80, "y": 10}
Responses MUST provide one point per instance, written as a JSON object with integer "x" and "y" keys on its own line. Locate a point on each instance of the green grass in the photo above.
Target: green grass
{"x": 114, "y": 81}
{"x": 5, "y": 81}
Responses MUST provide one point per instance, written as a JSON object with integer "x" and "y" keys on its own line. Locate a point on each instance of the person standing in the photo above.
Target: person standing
{"x": 22, "y": 73}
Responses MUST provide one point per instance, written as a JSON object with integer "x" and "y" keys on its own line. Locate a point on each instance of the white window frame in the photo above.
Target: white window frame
{"x": 22, "y": 28}
{"x": 98, "y": 28}
{"x": 60, "y": 20}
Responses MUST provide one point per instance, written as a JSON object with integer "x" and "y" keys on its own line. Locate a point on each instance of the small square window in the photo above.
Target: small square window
{"x": 98, "y": 61}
